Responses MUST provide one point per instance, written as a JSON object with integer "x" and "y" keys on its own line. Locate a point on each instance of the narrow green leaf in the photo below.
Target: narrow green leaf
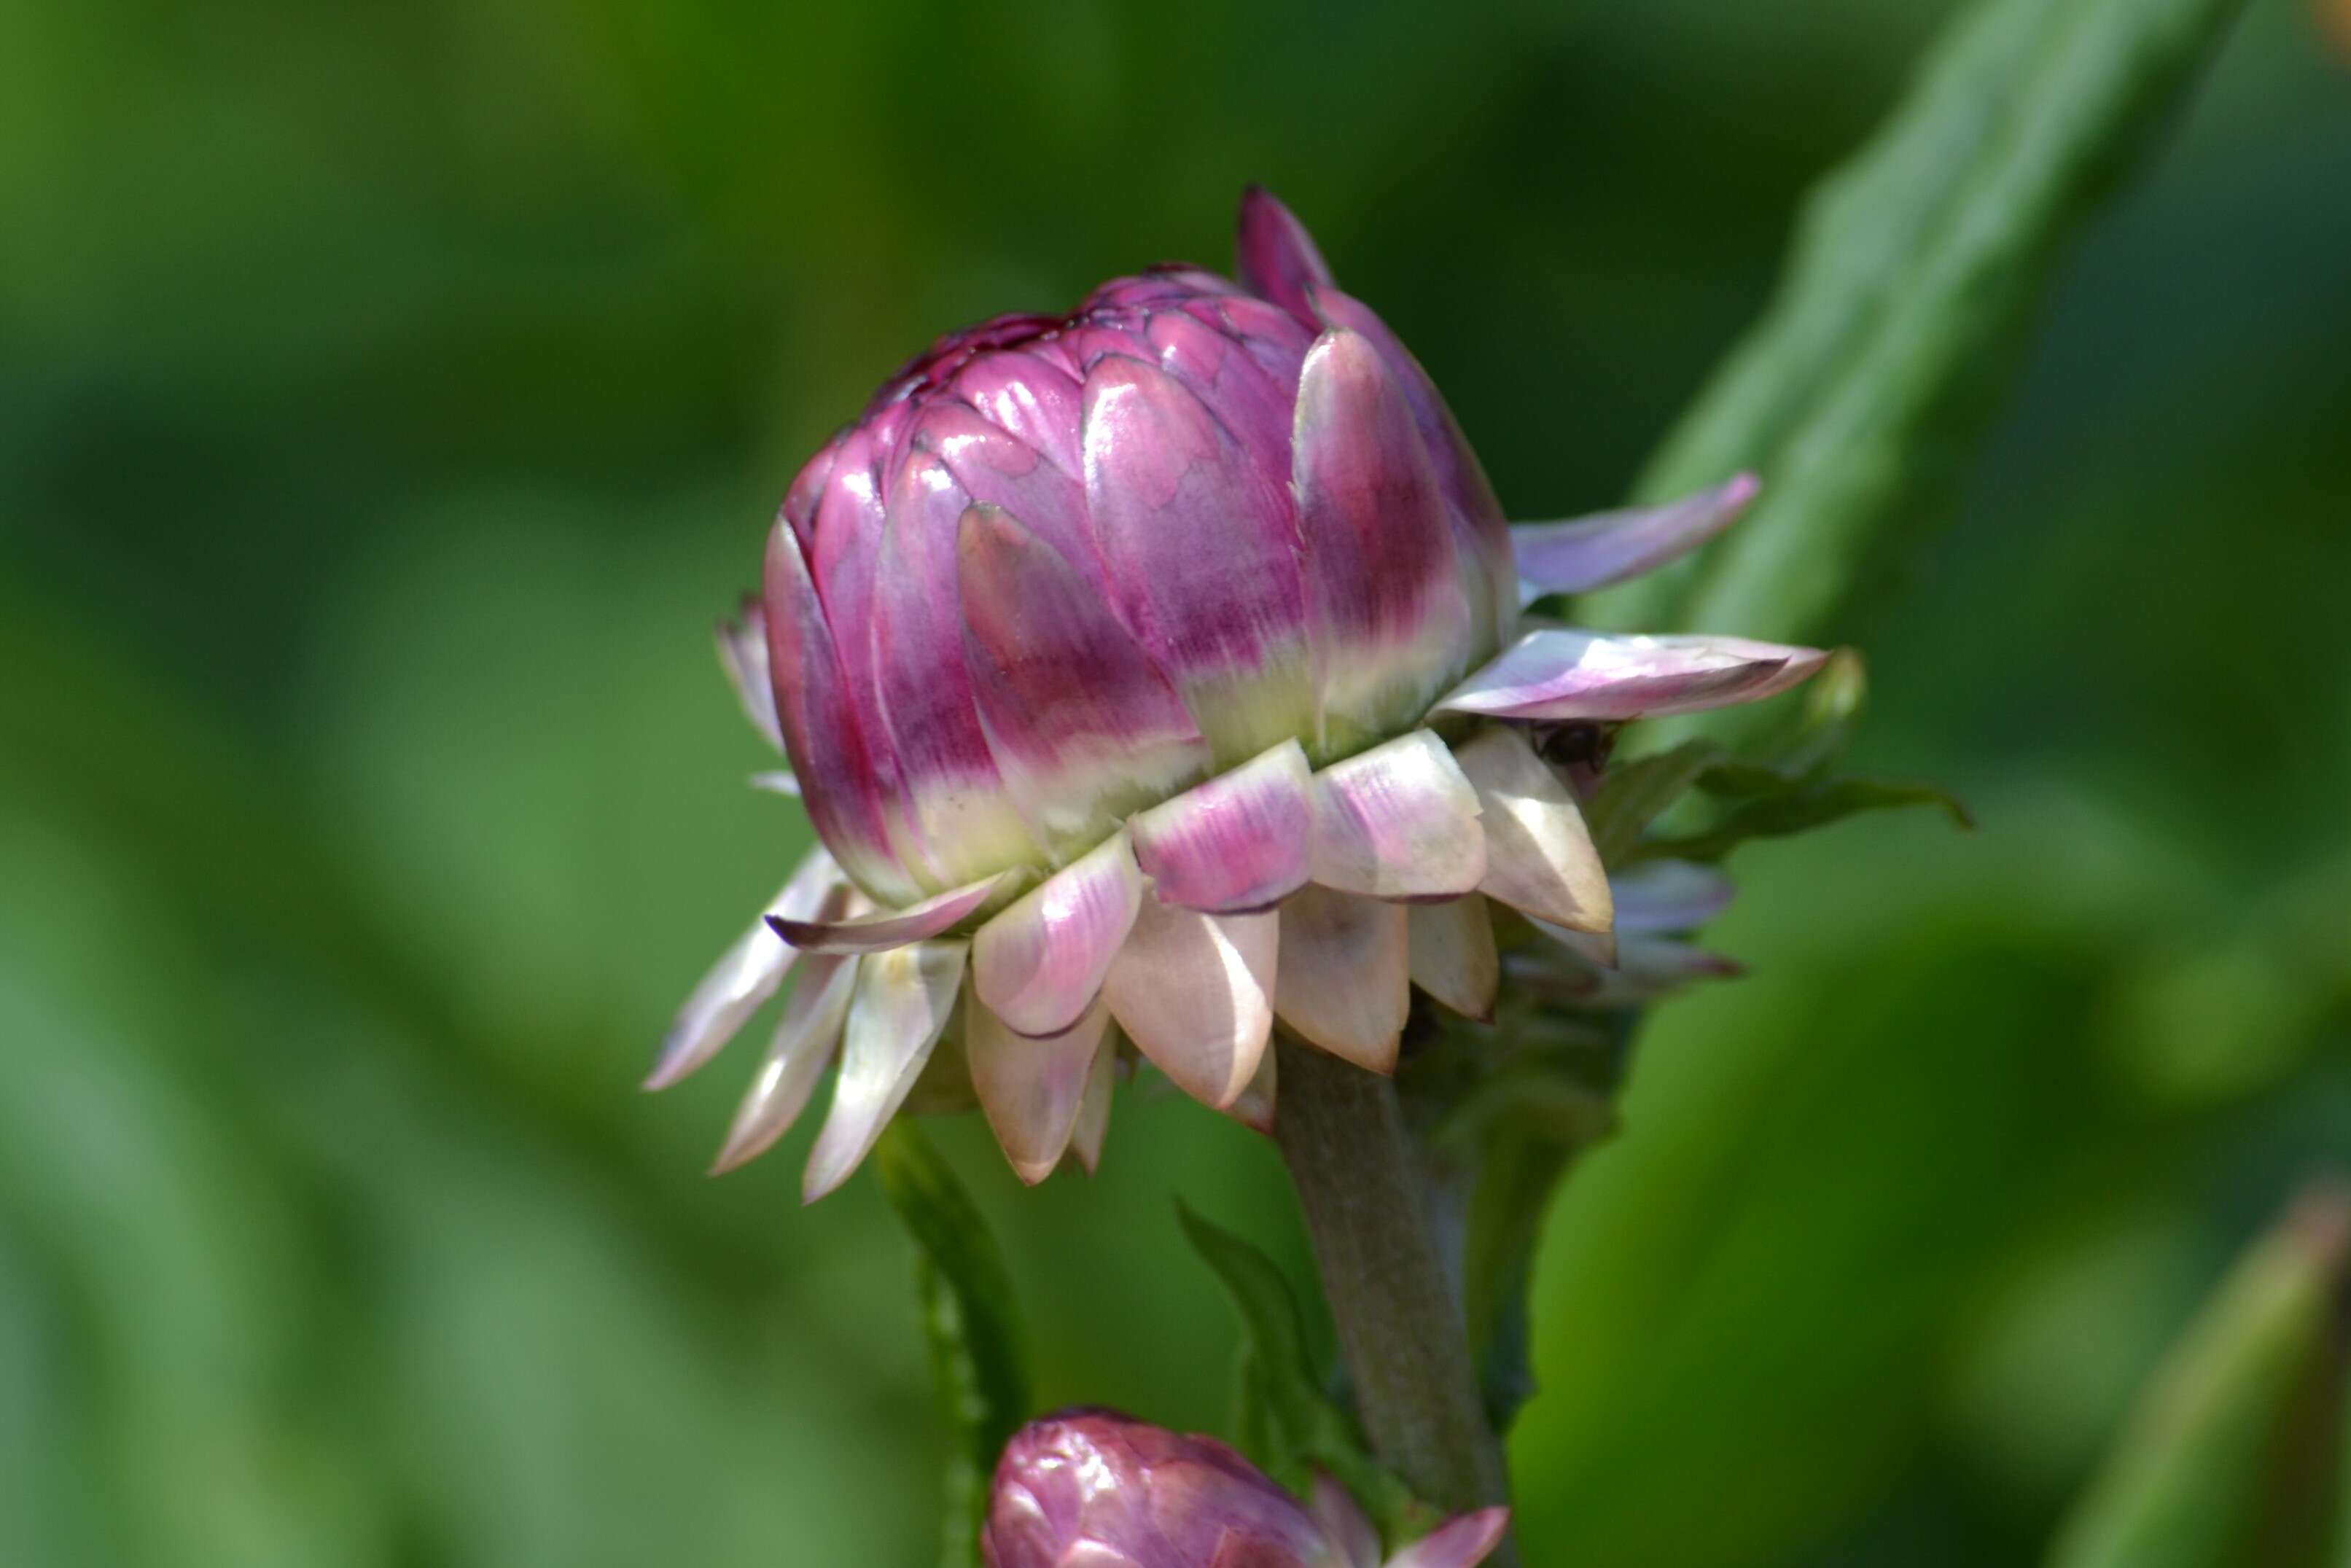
{"x": 968, "y": 1319}
{"x": 1278, "y": 1372}
{"x": 1286, "y": 1423}
{"x": 1255, "y": 1429}
{"x": 1505, "y": 1139}
{"x": 2226, "y": 1459}
{"x": 1793, "y": 809}
{"x": 1520, "y": 1168}
{"x": 1634, "y": 794}
{"x": 1917, "y": 272}
{"x": 1782, "y": 785}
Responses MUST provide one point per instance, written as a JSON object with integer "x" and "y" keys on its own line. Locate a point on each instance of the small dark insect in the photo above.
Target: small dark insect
{"x": 1580, "y": 743}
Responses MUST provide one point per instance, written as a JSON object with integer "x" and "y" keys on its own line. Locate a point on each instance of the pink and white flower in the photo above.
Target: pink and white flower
{"x": 1155, "y": 672}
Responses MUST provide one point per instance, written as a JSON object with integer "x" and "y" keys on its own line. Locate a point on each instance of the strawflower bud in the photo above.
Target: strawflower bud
{"x": 1151, "y": 673}
{"x": 1093, "y": 1488}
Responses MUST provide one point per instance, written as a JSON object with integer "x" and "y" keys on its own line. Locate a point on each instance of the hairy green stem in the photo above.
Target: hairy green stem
{"x": 1343, "y": 1134}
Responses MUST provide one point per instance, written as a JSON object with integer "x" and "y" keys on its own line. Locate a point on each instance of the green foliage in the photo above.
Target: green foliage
{"x": 1794, "y": 809}
{"x": 1634, "y": 794}
{"x": 1862, "y": 398}
{"x": 1517, "y": 1129}
{"x": 2230, "y": 1458}
{"x": 1864, "y": 395}
{"x": 1510, "y": 1135}
{"x": 1284, "y": 1418}
{"x": 386, "y": 426}
{"x": 970, "y": 1322}
{"x": 1773, "y": 789}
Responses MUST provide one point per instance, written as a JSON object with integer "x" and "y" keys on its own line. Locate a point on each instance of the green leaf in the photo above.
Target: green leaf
{"x": 1286, "y": 1423}
{"x": 1795, "y": 808}
{"x": 1917, "y": 269}
{"x": 1281, "y": 1399}
{"x": 969, "y": 1319}
{"x": 1634, "y": 794}
{"x": 1516, "y": 1178}
{"x": 1531, "y": 1126}
{"x": 1513, "y": 1110}
{"x": 1501, "y": 1113}
{"x": 2225, "y": 1461}
{"x": 1784, "y": 785}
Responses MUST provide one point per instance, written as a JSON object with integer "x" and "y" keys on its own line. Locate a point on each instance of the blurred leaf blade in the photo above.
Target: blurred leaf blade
{"x": 970, "y": 1322}
{"x": 1797, "y": 808}
{"x": 2214, "y": 1468}
{"x": 1917, "y": 270}
{"x": 1634, "y": 794}
{"x": 1547, "y": 1123}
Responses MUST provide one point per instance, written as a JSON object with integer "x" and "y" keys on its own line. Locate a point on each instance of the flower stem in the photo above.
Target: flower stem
{"x": 1343, "y": 1134}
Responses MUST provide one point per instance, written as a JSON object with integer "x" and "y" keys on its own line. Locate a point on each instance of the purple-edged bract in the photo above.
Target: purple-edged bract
{"x": 1093, "y": 1488}
{"x": 1156, "y": 672}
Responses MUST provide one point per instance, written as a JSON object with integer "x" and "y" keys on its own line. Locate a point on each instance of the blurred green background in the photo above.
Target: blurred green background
{"x": 391, "y": 394}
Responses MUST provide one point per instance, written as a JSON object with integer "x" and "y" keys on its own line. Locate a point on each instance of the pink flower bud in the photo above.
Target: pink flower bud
{"x": 1093, "y": 1488}
{"x": 1106, "y": 649}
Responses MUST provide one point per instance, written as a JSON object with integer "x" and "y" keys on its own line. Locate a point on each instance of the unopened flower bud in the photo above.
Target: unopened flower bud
{"x": 1093, "y": 1488}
